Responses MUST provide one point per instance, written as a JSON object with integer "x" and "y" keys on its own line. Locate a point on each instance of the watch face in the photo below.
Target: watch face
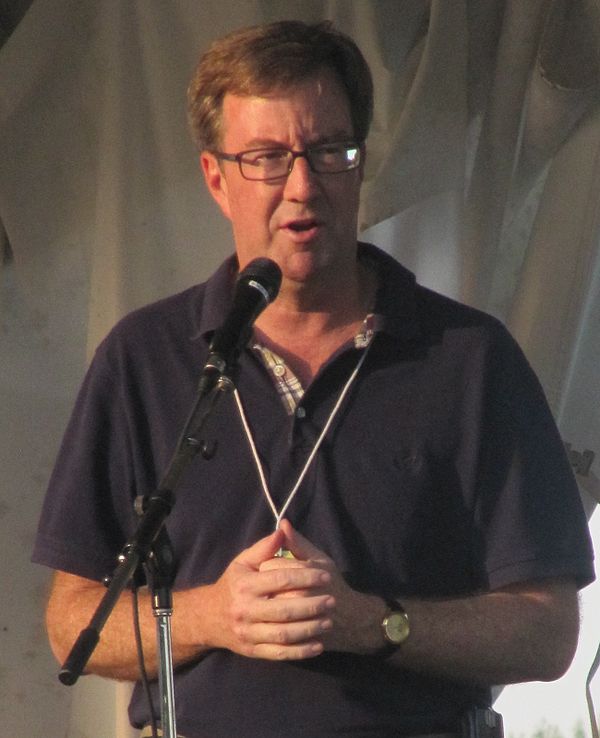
{"x": 396, "y": 627}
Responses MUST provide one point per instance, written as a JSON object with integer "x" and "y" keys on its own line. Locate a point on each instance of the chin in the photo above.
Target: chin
{"x": 303, "y": 266}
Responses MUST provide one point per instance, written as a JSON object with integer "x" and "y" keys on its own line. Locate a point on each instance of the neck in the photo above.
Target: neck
{"x": 306, "y": 327}
{"x": 320, "y": 306}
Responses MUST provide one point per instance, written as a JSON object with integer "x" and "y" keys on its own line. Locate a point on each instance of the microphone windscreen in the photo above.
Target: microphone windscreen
{"x": 264, "y": 271}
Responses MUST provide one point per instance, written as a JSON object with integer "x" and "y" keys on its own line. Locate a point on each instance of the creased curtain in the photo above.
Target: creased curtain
{"x": 483, "y": 175}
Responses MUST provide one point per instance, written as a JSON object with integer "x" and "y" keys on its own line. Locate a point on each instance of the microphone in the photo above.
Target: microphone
{"x": 256, "y": 286}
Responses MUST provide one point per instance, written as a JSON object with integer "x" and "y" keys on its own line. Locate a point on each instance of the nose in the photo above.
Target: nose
{"x": 301, "y": 183}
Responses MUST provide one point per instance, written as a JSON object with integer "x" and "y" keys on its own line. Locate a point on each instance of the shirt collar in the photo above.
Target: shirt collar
{"x": 395, "y": 300}
{"x": 215, "y": 300}
{"x": 395, "y": 309}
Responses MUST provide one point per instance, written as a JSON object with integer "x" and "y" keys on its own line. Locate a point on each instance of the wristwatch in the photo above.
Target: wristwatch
{"x": 395, "y": 628}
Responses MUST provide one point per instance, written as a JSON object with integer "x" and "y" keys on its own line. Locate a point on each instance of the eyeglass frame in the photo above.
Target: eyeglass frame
{"x": 305, "y": 153}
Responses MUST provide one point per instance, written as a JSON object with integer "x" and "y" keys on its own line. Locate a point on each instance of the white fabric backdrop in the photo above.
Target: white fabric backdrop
{"x": 483, "y": 163}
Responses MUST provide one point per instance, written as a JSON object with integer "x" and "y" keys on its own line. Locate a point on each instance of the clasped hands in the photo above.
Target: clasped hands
{"x": 292, "y": 608}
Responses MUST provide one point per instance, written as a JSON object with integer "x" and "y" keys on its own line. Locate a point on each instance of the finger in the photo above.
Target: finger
{"x": 289, "y": 634}
{"x": 285, "y": 579}
{"x": 262, "y": 550}
{"x": 279, "y": 652}
{"x": 292, "y": 609}
{"x": 297, "y": 639}
{"x": 279, "y": 562}
{"x": 300, "y": 546}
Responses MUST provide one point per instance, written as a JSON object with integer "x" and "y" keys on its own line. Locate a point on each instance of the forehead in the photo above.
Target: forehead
{"x": 312, "y": 110}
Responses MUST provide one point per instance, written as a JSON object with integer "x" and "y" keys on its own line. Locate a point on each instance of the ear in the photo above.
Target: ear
{"x": 215, "y": 181}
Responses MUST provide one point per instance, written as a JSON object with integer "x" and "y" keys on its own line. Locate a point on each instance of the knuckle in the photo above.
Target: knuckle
{"x": 282, "y": 578}
{"x": 241, "y": 587}
{"x": 280, "y": 636}
{"x": 236, "y": 613}
{"x": 316, "y": 608}
{"x": 251, "y": 651}
{"x": 286, "y": 614}
{"x": 314, "y": 632}
{"x": 240, "y": 632}
{"x": 280, "y": 654}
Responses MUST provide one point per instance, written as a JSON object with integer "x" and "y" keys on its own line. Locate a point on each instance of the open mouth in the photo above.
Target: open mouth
{"x": 301, "y": 226}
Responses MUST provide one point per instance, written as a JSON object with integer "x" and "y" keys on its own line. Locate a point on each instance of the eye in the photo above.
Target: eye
{"x": 264, "y": 157}
{"x": 335, "y": 156}
{"x": 329, "y": 150}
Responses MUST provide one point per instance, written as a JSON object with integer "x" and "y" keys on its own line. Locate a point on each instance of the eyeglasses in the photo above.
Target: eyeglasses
{"x": 263, "y": 165}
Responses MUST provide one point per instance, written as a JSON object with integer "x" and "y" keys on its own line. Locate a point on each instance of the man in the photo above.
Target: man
{"x": 395, "y": 443}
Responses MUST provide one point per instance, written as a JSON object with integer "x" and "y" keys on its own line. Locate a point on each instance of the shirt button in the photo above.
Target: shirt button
{"x": 300, "y": 413}
{"x": 279, "y": 370}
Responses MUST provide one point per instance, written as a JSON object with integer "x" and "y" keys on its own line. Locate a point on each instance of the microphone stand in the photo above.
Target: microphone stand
{"x": 256, "y": 286}
{"x": 160, "y": 572}
{"x": 150, "y": 546}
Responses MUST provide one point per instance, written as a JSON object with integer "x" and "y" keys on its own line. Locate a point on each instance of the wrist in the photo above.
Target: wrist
{"x": 394, "y": 628}
{"x": 195, "y": 625}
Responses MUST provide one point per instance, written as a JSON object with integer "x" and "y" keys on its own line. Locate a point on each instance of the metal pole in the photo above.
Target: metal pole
{"x": 165, "y": 673}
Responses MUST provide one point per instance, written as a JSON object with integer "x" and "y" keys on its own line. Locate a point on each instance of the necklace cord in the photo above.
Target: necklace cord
{"x": 279, "y": 515}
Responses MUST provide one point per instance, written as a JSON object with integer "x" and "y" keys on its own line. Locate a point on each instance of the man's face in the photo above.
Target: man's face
{"x": 306, "y": 222}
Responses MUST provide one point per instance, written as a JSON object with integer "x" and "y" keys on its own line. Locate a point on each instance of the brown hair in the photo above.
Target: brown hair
{"x": 273, "y": 57}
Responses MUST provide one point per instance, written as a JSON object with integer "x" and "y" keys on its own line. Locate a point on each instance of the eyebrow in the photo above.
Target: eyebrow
{"x": 268, "y": 143}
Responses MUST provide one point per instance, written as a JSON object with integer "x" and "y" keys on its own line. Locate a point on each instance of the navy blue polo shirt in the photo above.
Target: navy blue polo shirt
{"x": 443, "y": 474}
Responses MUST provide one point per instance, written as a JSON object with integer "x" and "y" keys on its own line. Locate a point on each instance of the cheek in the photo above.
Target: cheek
{"x": 253, "y": 207}
{"x": 250, "y": 217}
{"x": 345, "y": 200}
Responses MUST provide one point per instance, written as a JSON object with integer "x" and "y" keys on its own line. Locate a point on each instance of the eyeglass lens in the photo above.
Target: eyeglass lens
{"x": 274, "y": 163}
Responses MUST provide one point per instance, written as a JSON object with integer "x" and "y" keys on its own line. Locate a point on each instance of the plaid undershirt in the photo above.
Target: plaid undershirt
{"x": 287, "y": 383}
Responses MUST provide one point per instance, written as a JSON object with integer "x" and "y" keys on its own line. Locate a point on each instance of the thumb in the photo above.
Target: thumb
{"x": 262, "y": 550}
{"x": 300, "y": 546}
